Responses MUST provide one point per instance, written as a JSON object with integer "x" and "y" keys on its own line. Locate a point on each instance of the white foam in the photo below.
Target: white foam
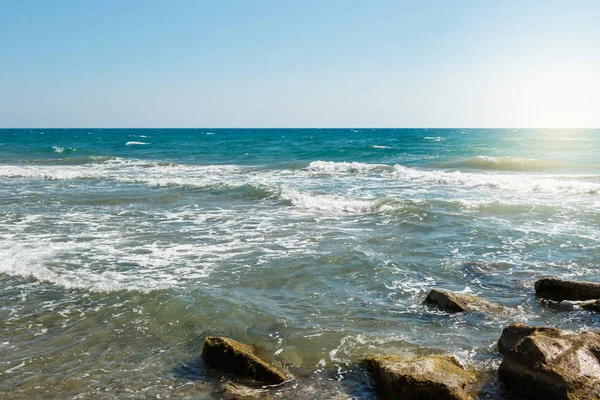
{"x": 134, "y": 143}
{"x": 344, "y": 167}
{"x": 514, "y": 183}
{"x": 323, "y": 202}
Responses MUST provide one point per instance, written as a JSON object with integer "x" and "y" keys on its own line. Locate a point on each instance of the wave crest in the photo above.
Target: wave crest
{"x": 333, "y": 203}
{"x": 346, "y": 167}
{"x": 508, "y": 164}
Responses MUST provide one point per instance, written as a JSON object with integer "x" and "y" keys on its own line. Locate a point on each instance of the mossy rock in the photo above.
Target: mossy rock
{"x": 233, "y": 357}
{"x": 423, "y": 378}
{"x": 459, "y": 302}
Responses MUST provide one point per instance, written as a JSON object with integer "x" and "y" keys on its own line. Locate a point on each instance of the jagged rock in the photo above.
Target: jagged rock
{"x": 591, "y": 306}
{"x": 561, "y": 289}
{"x": 233, "y": 357}
{"x": 459, "y": 302}
{"x": 432, "y": 377}
{"x": 549, "y": 363}
{"x": 516, "y": 331}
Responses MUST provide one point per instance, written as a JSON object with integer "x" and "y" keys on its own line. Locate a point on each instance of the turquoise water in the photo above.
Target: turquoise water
{"x": 121, "y": 249}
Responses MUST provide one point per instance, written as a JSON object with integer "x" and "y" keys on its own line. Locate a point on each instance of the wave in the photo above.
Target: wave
{"x": 333, "y": 203}
{"x": 515, "y": 183}
{"x": 134, "y": 143}
{"x": 61, "y": 150}
{"x": 506, "y": 164}
{"x": 346, "y": 167}
{"x": 434, "y": 139}
{"x": 524, "y": 183}
{"x": 71, "y": 160}
{"x": 227, "y": 177}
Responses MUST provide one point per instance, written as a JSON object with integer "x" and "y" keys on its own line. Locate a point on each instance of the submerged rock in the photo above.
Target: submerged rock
{"x": 432, "y": 377}
{"x": 549, "y": 363}
{"x": 561, "y": 289}
{"x": 233, "y": 357}
{"x": 459, "y": 302}
{"x": 240, "y": 392}
{"x": 591, "y": 306}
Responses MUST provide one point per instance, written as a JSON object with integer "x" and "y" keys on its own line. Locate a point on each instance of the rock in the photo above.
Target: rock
{"x": 432, "y": 377}
{"x": 458, "y": 302}
{"x": 591, "y": 306}
{"x": 516, "y": 331}
{"x": 240, "y": 392}
{"x": 233, "y": 357}
{"x": 561, "y": 289}
{"x": 549, "y": 363}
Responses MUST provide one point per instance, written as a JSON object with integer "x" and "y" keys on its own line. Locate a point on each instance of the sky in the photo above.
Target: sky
{"x": 327, "y": 63}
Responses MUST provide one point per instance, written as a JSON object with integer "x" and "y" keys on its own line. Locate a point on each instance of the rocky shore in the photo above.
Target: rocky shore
{"x": 538, "y": 362}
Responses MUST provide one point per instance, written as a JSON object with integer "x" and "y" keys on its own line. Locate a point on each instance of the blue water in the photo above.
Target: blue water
{"x": 121, "y": 249}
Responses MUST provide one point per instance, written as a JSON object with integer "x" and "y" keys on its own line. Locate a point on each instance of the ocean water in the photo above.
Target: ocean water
{"x": 120, "y": 250}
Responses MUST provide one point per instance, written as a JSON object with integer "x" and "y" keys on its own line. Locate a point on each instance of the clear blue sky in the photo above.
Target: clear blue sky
{"x": 299, "y": 63}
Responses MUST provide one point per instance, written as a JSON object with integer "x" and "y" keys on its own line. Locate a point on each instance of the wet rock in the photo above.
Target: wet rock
{"x": 516, "y": 331}
{"x": 549, "y": 363}
{"x": 233, "y": 357}
{"x": 432, "y": 377}
{"x": 459, "y": 302}
{"x": 233, "y": 391}
{"x": 591, "y": 306}
{"x": 561, "y": 289}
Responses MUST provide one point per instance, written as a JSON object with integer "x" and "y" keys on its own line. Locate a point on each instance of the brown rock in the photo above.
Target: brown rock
{"x": 432, "y": 377}
{"x": 240, "y": 392}
{"x": 459, "y": 302}
{"x": 561, "y": 289}
{"x": 549, "y": 363}
{"x": 233, "y": 357}
{"x": 516, "y": 331}
{"x": 591, "y": 306}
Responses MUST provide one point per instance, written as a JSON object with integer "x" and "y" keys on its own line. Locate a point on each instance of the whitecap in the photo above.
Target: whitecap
{"x": 134, "y": 143}
{"x": 327, "y": 202}
{"x": 344, "y": 167}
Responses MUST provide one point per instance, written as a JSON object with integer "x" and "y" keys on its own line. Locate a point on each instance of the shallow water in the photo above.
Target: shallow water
{"x": 121, "y": 249}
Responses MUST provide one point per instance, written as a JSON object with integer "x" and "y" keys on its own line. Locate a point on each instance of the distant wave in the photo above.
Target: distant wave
{"x": 434, "y": 139}
{"x": 515, "y": 182}
{"x": 507, "y": 164}
{"x": 346, "y": 167}
{"x": 61, "y": 150}
{"x": 134, "y": 143}
{"x": 71, "y": 160}
{"x": 228, "y": 177}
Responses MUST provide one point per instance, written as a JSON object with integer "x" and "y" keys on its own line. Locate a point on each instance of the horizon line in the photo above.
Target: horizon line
{"x": 274, "y": 128}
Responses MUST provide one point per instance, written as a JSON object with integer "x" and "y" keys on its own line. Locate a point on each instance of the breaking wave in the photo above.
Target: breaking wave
{"x": 346, "y": 167}
{"x": 332, "y": 203}
{"x": 507, "y": 164}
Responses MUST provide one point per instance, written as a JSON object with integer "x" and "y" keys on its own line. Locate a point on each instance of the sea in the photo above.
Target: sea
{"x": 121, "y": 249}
